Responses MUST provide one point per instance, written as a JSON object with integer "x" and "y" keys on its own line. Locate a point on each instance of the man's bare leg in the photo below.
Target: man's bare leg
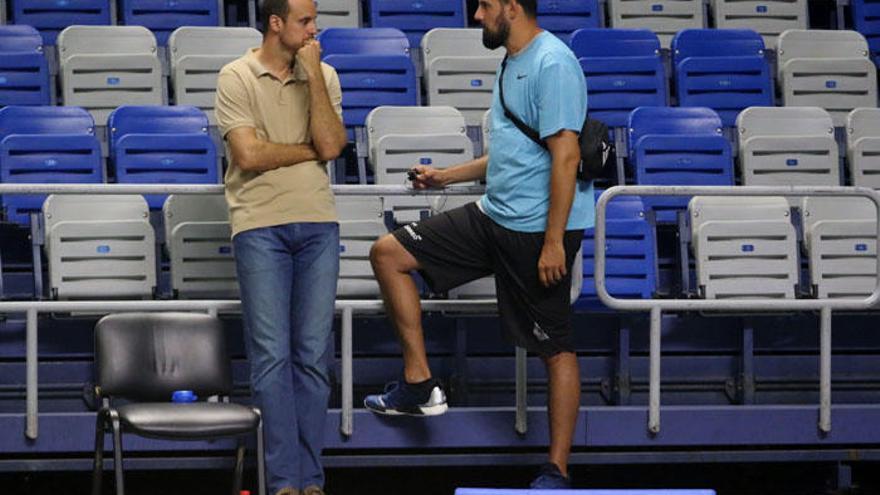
{"x": 562, "y": 405}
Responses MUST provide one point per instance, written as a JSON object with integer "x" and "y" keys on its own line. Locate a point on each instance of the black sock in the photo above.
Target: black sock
{"x": 423, "y": 388}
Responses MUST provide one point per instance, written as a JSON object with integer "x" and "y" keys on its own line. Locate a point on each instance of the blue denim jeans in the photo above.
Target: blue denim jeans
{"x": 287, "y": 276}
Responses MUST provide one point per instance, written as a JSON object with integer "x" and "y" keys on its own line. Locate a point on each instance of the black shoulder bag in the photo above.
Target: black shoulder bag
{"x": 597, "y": 151}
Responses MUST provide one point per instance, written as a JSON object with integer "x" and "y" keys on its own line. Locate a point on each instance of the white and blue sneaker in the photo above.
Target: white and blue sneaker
{"x": 406, "y": 399}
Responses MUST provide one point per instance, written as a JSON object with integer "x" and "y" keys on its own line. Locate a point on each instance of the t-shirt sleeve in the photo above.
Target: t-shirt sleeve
{"x": 562, "y": 100}
{"x": 232, "y": 107}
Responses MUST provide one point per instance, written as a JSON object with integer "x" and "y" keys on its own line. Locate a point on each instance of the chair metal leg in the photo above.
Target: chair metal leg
{"x": 98, "y": 466}
{"x": 261, "y": 461}
{"x": 239, "y": 466}
{"x": 117, "y": 452}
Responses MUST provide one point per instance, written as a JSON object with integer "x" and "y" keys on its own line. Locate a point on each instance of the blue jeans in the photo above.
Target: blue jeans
{"x": 287, "y": 276}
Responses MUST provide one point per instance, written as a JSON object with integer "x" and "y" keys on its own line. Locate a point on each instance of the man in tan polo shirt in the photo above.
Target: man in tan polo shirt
{"x": 279, "y": 110}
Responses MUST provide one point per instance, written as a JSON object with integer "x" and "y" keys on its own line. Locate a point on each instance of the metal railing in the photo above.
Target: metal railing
{"x": 656, "y": 307}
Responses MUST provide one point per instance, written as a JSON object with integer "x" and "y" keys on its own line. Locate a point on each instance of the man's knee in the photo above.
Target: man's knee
{"x": 387, "y": 254}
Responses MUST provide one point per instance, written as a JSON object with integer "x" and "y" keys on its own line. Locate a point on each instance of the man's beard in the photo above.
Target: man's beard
{"x": 499, "y": 37}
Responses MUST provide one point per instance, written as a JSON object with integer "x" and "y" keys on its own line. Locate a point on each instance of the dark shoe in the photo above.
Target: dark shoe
{"x": 401, "y": 398}
{"x": 550, "y": 478}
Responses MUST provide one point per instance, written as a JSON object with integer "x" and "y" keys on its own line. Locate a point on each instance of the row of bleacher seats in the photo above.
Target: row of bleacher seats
{"x": 667, "y": 146}
{"x": 743, "y": 247}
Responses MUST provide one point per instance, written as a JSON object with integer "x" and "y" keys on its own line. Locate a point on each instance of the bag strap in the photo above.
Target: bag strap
{"x": 525, "y": 129}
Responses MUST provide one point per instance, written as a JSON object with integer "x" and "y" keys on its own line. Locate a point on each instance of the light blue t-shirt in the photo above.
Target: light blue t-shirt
{"x": 544, "y": 86}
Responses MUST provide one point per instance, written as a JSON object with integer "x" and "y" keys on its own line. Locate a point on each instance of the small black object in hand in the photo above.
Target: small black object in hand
{"x": 411, "y": 175}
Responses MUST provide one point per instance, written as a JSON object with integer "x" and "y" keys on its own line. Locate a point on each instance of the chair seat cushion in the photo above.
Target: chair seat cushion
{"x": 195, "y": 420}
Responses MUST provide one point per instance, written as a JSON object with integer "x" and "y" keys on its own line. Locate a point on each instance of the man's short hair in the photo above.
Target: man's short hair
{"x": 529, "y": 6}
{"x": 268, "y": 8}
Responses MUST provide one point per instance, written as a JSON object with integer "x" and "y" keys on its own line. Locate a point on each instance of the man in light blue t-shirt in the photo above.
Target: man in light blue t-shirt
{"x": 525, "y": 230}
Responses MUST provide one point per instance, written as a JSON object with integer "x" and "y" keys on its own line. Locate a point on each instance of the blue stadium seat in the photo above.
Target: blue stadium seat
{"x": 417, "y": 18}
{"x": 866, "y": 20}
{"x": 24, "y": 72}
{"x": 51, "y": 16}
{"x": 374, "y": 69}
{"x": 623, "y": 69}
{"x": 563, "y": 17}
{"x": 162, "y": 145}
{"x": 164, "y": 16}
{"x": 678, "y": 146}
{"x": 723, "y": 69}
{"x": 631, "y": 254}
{"x": 45, "y": 145}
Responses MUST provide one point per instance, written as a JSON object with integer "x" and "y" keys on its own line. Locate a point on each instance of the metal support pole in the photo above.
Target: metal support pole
{"x": 747, "y": 364}
{"x": 346, "y": 426}
{"x": 825, "y": 371}
{"x": 654, "y": 383}
{"x": 32, "y": 365}
{"x": 522, "y": 423}
{"x": 622, "y": 380}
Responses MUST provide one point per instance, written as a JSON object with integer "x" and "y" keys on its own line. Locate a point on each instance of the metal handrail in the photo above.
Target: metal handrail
{"x": 656, "y": 306}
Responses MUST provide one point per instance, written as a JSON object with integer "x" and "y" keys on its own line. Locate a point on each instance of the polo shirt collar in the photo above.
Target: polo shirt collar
{"x": 260, "y": 70}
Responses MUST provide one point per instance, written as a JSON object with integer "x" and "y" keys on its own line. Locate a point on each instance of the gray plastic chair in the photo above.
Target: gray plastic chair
{"x": 103, "y": 67}
{"x": 664, "y": 17}
{"x": 99, "y": 246}
{"x": 768, "y": 18}
{"x": 198, "y": 239}
{"x": 826, "y": 69}
{"x": 361, "y": 223}
{"x": 787, "y": 146}
{"x": 863, "y": 147}
{"x": 745, "y": 247}
{"x": 339, "y": 13}
{"x": 197, "y": 55}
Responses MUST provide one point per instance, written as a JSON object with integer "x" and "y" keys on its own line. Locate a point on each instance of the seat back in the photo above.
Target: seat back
{"x": 400, "y": 137}
{"x": 623, "y": 70}
{"x": 198, "y": 238}
{"x": 149, "y": 356}
{"x": 664, "y": 17}
{"x": 162, "y": 145}
{"x": 374, "y": 69}
{"x": 197, "y": 55}
{"x": 459, "y": 71}
{"x": 45, "y": 145}
{"x": 24, "y": 72}
{"x": 99, "y": 246}
{"x": 50, "y": 16}
{"x": 678, "y": 146}
{"x": 826, "y": 69}
{"x": 723, "y": 69}
{"x": 361, "y": 223}
{"x": 840, "y": 236}
{"x": 417, "y": 18}
{"x": 630, "y": 254}
{"x": 745, "y": 247}
{"x": 768, "y": 18}
{"x": 563, "y": 17}
{"x": 339, "y": 13}
{"x": 103, "y": 67}
{"x": 163, "y": 17}
{"x": 787, "y": 146}
{"x": 863, "y": 147}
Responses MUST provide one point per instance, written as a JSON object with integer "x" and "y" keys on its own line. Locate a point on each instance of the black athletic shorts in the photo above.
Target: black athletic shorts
{"x": 464, "y": 244}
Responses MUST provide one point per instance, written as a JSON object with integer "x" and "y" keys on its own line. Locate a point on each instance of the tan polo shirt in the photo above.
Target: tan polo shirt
{"x": 248, "y": 95}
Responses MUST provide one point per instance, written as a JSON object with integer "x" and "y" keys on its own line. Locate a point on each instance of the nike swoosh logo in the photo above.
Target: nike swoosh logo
{"x": 521, "y": 76}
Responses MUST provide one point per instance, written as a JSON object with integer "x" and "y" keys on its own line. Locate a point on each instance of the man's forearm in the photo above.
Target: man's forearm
{"x": 562, "y": 188}
{"x": 466, "y": 172}
{"x": 328, "y": 133}
{"x": 263, "y": 156}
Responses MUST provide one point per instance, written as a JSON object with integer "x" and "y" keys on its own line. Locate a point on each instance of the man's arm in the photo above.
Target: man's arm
{"x": 328, "y": 133}
{"x": 253, "y": 154}
{"x": 428, "y": 177}
{"x": 565, "y": 153}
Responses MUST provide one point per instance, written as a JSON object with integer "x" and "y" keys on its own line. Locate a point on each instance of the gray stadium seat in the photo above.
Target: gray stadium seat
{"x": 664, "y": 17}
{"x": 459, "y": 71}
{"x": 402, "y": 137}
{"x": 827, "y": 69}
{"x": 103, "y": 67}
{"x": 339, "y": 13}
{"x": 863, "y": 147}
{"x": 197, "y": 55}
{"x": 840, "y": 237}
{"x": 2, "y": 11}
{"x": 787, "y": 146}
{"x": 198, "y": 239}
{"x": 768, "y": 18}
{"x": 99, "y": 246}
{"x": 745, "y": 247}
{"x": 361, "y": 222}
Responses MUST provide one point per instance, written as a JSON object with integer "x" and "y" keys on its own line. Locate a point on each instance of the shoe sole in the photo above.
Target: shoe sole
{"x": 424, "y": 411}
